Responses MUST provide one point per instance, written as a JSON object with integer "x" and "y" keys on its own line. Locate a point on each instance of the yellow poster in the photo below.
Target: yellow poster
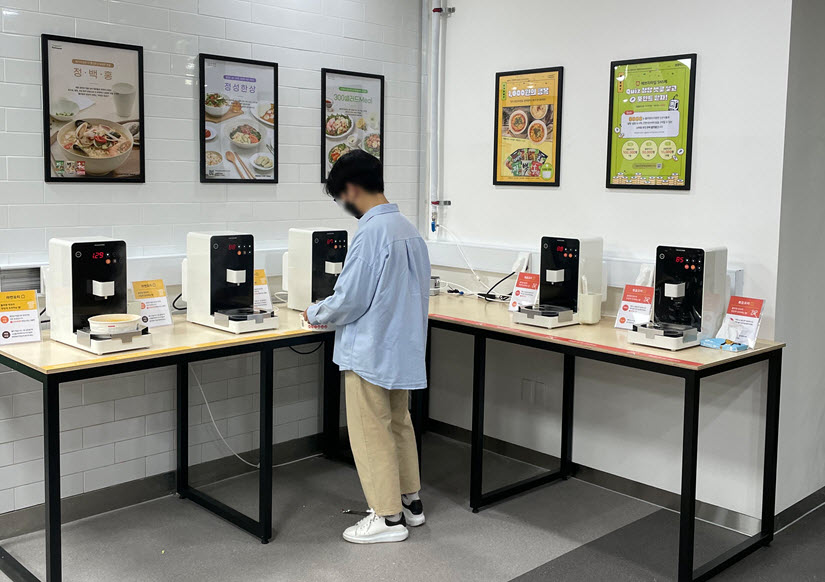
{"x": 528, "y": 127}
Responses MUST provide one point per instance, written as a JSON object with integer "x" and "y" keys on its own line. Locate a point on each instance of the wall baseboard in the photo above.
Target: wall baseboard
{"x": 727, "y": 518}
{"x": 32, "y": 519}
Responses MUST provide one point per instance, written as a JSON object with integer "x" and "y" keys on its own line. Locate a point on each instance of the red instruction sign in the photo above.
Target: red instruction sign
{"x": 635, "y": 308}
{"x": 524, "y": 293}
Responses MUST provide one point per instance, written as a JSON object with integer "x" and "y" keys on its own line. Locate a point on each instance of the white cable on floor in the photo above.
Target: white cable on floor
{"x": 208, "y": 409}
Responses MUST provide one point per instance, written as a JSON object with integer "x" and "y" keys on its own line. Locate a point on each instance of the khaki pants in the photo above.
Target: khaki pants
{"x": 383, "y": 443}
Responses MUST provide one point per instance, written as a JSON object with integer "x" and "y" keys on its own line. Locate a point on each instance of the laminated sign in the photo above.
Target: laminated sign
{"x": 261, "y": 299}
{"x": 635, "y": 308}
{"x": 525, "y": 291}
{"x": 19, "y": 321}
{"x": 154, "y": 303}
{"x": 741, "y": 324}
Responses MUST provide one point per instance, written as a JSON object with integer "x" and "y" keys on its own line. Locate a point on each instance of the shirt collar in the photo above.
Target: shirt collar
{"x": 376, "y": 210}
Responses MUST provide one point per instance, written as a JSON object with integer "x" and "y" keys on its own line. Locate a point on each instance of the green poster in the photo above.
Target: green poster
{"x": 651, "y": 122}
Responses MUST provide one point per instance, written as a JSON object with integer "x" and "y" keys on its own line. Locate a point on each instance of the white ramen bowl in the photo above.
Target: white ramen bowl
{"x": 97, "y": 166}
{"x": 113, "y": 323}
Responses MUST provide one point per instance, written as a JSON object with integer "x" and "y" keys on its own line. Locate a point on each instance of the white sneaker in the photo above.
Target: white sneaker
{"x": 413, "y": 513}
{"x": 375, "y": 529}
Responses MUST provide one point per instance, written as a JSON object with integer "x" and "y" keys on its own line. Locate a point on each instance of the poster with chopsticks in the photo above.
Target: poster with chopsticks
{"x": 527, "y": 132}
{"x": 352, "y": 116}
{"x": 19, "y": 320}
{"x": 92, "y": 111}
{"x": 238, "y": 120}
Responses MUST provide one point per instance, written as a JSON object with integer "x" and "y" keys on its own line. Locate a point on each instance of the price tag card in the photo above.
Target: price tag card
{"x": 635, "y": 308}
{"x": 525, "y": 291}
{"x": 19, "y": 320}
{"x": 154, "y": 303}
{"x": 742, "y": 320}
{"x": 261, "y": 298}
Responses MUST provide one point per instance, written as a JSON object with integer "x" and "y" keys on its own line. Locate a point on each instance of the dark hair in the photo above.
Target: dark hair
{"x": 358, "y": 168}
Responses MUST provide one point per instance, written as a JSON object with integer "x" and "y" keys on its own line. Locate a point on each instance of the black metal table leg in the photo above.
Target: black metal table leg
{"x": 332, "y": 401}
{"x": 477, "y": 444}
{"x": 265, "y": 461}
{"x": 51, "y": 443}
{"x": 568, "y": 396}
{"x": 182, "y": 424}
{"x": 418, "y": 418}
{"x": 771, "y": 446}
{"x": 690, "y": 447}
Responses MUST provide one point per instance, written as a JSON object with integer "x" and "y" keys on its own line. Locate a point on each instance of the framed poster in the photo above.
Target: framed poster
{"x": 650, "y": 125}
{"x": 238, "y": 120}
{"x": 527, "y": 128}
{"x": 352, "y": 115}
{"x": 92, "y": 111}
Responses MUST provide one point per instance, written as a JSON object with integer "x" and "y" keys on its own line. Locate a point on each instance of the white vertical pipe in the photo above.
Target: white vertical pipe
{"x": 435, "y": 99}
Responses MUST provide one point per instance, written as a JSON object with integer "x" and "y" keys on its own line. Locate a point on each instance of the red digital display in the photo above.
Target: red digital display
{"x": 330, "y": 241}
{"x": 98, "y": 254}
{"x": 680, "y": 259}
{"x": 232, "y": 247}
{"x": 559, "y": 248}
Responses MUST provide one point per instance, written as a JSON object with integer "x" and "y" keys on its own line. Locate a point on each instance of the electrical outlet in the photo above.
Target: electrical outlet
{"x": 522, "y": 263}
{"x": 528, "y": 391}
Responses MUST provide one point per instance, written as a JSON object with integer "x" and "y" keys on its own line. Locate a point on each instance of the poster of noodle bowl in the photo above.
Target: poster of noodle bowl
{"x": 238, "y": 120}
{"x": 352, "y": 116}
{"x": 93, "y": 110}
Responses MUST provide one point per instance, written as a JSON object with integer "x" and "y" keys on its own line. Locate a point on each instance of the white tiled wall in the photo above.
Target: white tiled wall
{"x": 375, "y": 36}
{"x": 122, "y": 428}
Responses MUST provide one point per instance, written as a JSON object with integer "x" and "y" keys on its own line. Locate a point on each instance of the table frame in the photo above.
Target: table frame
{"x": 260, "y": 528}
{"x": 692, "y": 378}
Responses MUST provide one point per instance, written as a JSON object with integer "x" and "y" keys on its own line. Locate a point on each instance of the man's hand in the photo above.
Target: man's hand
{"x": 304, "y": 315}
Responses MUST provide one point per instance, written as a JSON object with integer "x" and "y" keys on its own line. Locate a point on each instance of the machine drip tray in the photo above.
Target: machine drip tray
{"x": 85, "y": 336}
{"x": 223, "y": 317}
{"x": 667, "y": 330}
{"x": 563, "y": 313}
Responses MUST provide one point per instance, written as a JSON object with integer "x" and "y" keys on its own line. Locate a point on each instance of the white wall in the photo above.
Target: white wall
{"x": 735, "y": 104}
{"x": 121, "y": 428}
{"x": 376, "y": 36}
{"x": 626, "y": 423}
{"x": 801, "y": 278}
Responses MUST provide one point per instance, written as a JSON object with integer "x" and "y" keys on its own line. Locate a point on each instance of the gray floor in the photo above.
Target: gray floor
{"x": 568, "y": 531}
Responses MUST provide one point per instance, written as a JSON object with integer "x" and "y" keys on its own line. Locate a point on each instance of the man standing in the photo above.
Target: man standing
{"x": 380, "y": 308}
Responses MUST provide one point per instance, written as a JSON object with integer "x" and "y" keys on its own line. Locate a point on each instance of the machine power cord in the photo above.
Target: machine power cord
{"x": 214, "y": 424}
{"x": 489, "y": 295}
{"x": 175, "y": 303}
{"x": 312, "y": 351}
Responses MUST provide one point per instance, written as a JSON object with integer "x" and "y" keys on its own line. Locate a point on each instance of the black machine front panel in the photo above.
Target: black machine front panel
{"x": 327, "y": 246}
{"x": 677, "y": 265}
{"x": 235, "y": 252}
{"x": 97, "y": 261}
{"x": 560, "y": 253}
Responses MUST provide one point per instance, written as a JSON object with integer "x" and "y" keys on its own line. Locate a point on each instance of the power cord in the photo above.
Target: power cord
{"x": 489, "y": 295}
{"x": 214, "y": 424}
{"x": 458, "y": 245}
{"x": 312, "y": 351}
{"x": 175, "y": 303}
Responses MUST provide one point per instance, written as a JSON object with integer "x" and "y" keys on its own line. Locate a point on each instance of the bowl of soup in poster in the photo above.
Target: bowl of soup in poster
{"x": 102, "y": 144}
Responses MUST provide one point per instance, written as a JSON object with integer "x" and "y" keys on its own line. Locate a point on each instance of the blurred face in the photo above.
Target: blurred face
{"x": 350, "y": 200}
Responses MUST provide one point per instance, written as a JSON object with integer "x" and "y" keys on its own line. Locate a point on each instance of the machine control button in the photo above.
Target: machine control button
{"x": 234, "y": 276}
{"x": 554, "y": 275}
{"x": 333, "y": 268}
{"x": 103, "y": 288}
{"x": 674, "y": 290}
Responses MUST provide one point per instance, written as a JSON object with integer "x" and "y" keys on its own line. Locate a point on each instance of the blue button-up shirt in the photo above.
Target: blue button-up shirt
{"x": 381, "y": 302}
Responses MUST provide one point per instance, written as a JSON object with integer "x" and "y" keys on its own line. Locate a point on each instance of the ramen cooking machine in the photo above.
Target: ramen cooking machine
{"x": 312, "y": 264}
{"x": 218, "y": 283}
{"x": 87, "y": 277}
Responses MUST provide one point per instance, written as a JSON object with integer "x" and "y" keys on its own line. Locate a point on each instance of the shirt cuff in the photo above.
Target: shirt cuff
{"x": 312, "y": 311}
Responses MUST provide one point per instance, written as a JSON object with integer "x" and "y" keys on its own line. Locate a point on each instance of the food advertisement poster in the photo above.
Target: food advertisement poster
{"x": 238, "y": 120}
{"x": 528, "y": 127}
{"x": 650, "y": 135}
{"x": 352, "y": 106}
{"x": 92, "y": 110}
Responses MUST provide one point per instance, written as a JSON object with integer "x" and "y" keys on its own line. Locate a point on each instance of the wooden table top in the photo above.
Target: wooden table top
{"x": 602, "y": 337}
{"x": 182, "y": 337}
{"x": 49, "y": 357}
